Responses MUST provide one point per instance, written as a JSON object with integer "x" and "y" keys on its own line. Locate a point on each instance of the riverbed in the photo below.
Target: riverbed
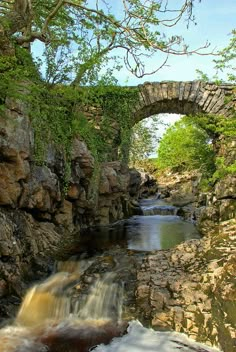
{"x": 83, "y": 303}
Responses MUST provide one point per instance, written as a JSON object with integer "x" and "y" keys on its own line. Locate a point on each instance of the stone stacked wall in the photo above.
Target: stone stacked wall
{"x": 184, "y": 98}
{"x": 172, "y": 97}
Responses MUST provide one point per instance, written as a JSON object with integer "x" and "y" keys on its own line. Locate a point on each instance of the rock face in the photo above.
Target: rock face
{"x": 191, "y": 288}
{"x": 182, "y": 191}
{"x": 113, "y": 186}
{"x": 37, "y": 216}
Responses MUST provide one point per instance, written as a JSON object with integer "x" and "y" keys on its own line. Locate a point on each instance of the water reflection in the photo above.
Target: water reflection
{"x": 149, "y": 233}
{"x": 142, "y": 232}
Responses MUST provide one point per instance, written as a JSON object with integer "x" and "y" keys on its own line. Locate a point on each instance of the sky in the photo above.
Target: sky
{"x": 215, "y": 21}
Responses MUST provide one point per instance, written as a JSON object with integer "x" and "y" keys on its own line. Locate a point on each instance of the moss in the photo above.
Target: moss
{"x": 54, "y": 113}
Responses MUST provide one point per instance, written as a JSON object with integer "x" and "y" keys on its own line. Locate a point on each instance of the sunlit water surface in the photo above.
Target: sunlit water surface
{"x": 158, "y": 228}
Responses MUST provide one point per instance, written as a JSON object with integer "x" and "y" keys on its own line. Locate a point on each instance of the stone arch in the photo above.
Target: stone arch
{"x": 183, "y": 98}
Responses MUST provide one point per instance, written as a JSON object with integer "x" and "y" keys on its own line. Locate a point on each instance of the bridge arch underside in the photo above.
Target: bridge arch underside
{"x": 185, "y": 98}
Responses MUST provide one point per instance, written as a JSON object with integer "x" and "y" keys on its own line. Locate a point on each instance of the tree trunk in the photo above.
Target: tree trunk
{"x": 7, "y": 48}
{"x": 16, "y": 19}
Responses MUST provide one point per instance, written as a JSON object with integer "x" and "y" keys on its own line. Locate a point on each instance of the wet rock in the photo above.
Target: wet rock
{"x": 82, "y": 337}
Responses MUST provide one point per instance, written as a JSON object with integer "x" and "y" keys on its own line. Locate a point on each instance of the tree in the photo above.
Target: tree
{"x": 227, "y": 59}
{"x": 226, "y": 62}
{"x": 143, "y": 140}
{"x": 79, "y": 34}
{"x": 185, "y": 146}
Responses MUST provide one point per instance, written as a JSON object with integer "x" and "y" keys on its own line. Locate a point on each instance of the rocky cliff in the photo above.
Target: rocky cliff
{"x": 39, "y": 214}
{"x": 191, "y": 288}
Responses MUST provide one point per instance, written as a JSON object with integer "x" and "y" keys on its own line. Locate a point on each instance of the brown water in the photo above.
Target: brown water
{"x": 50, "y": 320}
{"x": 58, "y": 316}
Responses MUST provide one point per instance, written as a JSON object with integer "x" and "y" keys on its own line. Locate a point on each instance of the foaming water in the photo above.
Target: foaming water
{"x": 141, "y": 339}
{"x": 49, "y": 317}
{"x": 107, "y": 305}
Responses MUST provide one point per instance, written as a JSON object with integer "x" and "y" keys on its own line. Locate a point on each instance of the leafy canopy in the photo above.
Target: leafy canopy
{"x": 185, "y": 146}
{"x": 226, "y": 62}
{"x": 80, "y": 35}
{"x": 143, "y": 140}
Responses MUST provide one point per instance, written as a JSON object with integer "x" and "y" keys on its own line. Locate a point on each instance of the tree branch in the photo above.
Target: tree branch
{"x": 31, "y": 37}
{"x": 51, "y": 15}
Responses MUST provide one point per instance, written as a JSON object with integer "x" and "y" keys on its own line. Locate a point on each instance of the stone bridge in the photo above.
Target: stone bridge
{"x": 186, "y": 98}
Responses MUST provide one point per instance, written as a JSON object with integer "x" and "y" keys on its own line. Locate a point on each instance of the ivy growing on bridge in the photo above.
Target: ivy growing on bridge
{"x": 58, "y": 112}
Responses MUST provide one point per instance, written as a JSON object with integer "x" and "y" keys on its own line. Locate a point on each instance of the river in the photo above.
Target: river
{"x": 66, "y": 313}
{"x": 158, "y": 228}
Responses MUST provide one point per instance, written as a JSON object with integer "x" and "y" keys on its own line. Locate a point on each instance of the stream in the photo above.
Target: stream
{"x": 80, "y": 308}
{"x": 158, "y": 228}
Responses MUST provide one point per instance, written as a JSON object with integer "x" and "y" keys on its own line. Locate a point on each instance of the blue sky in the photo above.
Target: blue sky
{"x": 215, "y": 21}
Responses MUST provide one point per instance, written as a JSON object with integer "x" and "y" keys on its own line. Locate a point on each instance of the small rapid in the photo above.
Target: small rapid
{"x": 50, "y": 319}
{"x": 85, "y": 305}
{"x": 157, "y": 207}
{"x": 159, "y": 227}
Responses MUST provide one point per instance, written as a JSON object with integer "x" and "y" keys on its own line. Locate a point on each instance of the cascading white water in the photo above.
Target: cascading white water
{"x": 160, "y": 210}
{"x": 48, "y": 309}
{"x": 104, "y": 300}
{"x": 51, "y": 300}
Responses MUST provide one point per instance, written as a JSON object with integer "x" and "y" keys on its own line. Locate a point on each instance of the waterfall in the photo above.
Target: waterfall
{"x": 160, "y": 210}
{"x": 156, "y": 206}
{"x": 55, "y": 315}
{"x": 104, "y": 300}
{"x": 52, "y": 299}
{"x": 46, "y": 301}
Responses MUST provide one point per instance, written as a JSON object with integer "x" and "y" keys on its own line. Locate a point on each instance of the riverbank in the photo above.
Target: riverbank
{"x": 191, "y": 288}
